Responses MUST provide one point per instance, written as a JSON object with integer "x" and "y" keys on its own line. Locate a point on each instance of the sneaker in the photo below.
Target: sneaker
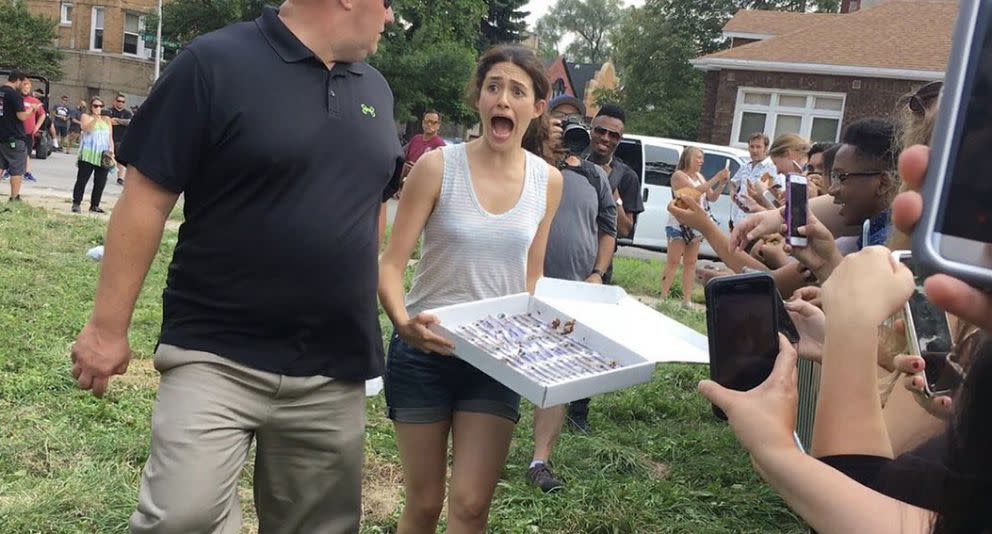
{"x": 96, "y": 209}
{"x": 14, "y": 199}
{"x": 75, "y": 208}
{"x": 29, "y": 177}
{"x": 541, "y": 476}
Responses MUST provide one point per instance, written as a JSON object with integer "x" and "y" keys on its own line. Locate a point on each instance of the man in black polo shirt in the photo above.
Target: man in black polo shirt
{"x": 270, "y": 323}
{"x": 13, "y": 148}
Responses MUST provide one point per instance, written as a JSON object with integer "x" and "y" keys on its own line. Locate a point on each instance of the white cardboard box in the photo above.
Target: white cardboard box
{"x": 606, "y": 320}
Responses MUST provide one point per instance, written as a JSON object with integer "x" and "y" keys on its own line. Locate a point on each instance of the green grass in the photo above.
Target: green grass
{"x": 657, "y": 461}
{"x": 643, "y": 277}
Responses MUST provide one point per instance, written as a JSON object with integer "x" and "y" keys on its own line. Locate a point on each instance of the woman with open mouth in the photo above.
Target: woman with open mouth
{"x": 484, "y": 209}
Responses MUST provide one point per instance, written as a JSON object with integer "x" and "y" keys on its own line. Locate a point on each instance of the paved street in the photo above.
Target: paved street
{"x": 55, "y": 179}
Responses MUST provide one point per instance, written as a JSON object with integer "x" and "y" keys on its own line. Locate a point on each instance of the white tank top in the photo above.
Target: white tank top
{"x": 468, "y": 253}
{"x": 695, "y": 181}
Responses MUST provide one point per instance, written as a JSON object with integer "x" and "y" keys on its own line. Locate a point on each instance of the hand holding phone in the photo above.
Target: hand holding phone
{"x": 796, "y": 210}
{"x": 742, "y": 322}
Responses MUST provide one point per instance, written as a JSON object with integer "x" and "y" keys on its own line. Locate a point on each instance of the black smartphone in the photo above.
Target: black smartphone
{"x": 742, "y": 324}
{"x": 954, "y": 234}
{"x": 941, "y": 376}
{"x": 796, "y": 206}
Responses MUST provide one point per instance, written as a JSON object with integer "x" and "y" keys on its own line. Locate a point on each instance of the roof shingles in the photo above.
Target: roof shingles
{"x": 898, "y": 34}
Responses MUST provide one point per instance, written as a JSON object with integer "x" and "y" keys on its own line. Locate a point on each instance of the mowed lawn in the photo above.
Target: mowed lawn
{"x": 656, "y": 461}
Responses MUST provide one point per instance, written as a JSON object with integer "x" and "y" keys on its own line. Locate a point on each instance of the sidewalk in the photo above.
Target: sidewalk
{"x": 56, "y": 177}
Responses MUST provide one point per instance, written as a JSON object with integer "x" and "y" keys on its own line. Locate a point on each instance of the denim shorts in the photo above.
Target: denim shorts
{"x": 674, "y": 232}
{"x": 428, "y": 388}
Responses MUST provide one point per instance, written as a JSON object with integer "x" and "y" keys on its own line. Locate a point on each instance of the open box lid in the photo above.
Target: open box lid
{"x": 616, "y": 315}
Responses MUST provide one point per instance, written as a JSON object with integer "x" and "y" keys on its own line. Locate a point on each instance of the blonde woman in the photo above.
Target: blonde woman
{"x": 683, "y": 242}
{"x": 789, "y": 154}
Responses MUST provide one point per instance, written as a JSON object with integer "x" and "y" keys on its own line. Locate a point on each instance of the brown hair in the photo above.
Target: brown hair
{"x": 786, "y": 142}
{"x": 913, "y": 130}
{"x": 758, "y": 135}
{"x": 686, "y": 158}
{"x": 539, "y": 129}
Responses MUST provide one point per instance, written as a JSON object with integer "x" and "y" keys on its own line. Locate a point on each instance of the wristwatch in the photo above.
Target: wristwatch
{"x": 597, "y": 272}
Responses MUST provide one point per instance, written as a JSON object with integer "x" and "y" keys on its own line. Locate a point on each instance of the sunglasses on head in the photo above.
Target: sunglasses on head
{"x": 924, "y": 97}
{"x": 616, "y": 136}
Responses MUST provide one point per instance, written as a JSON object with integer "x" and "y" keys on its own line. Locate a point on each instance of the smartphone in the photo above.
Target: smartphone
{"x": 941, "y": 377}
{"x": 927, "y": 329}
{"x": 954, "y": 234}
{"x": 795, "y": 209}
{"x": 742, "y": 323}
{"x": 785, "y": 325}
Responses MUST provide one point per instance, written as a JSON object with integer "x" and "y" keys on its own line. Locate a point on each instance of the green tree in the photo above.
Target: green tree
{"x": 662, "y": 92}
{"x": 26, "y": 41}
{"x": 428, "y": 57}
{"x": 503, "y": 24}
{"x": 590, "y": 25}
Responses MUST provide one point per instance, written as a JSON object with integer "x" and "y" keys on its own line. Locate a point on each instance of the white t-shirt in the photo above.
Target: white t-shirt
{"x": 750, "y": 172}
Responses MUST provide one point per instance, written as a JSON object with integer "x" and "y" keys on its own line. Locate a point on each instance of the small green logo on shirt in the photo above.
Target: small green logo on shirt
{"x": 368, "y": 110}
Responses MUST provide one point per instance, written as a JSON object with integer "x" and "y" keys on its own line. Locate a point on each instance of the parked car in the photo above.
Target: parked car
{"x": 654, "y": 159}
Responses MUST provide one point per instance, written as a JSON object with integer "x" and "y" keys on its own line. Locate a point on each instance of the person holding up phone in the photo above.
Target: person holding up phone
{"x": 684, "y": 242}
{"x": 827, "y": 499}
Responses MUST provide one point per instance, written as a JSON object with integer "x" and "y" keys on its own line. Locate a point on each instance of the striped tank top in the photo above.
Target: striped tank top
{"x": 468, "y": 253}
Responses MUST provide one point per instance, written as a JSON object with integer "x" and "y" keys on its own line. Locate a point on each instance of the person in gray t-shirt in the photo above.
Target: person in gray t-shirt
{"x": 580, "y": 247}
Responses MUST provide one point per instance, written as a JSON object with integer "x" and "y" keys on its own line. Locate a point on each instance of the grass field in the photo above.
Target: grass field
{"x": 655, "y": 462}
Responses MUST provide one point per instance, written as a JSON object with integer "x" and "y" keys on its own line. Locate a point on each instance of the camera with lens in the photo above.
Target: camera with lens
{"x": 574, "y": 135}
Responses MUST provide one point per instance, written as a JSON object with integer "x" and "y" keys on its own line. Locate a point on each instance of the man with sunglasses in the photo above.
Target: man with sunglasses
{"x": 425, "y": 142}
{"x": 120, "y": 117}
{"x": 607, "y": 132}
{"x": 267, "y": 348}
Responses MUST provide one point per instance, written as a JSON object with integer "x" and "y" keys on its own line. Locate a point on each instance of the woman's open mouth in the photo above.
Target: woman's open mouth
{"x": 501, "y": 128}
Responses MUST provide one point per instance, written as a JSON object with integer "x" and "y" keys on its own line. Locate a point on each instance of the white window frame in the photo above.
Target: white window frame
{"x": 772, "y": 111}
{"x": 93, "y": 28}
{"x": 65, "y": 19}
{"x": 142, "y": 52}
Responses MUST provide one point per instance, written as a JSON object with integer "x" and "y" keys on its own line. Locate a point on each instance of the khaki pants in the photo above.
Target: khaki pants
{"x": 308, "y": 467}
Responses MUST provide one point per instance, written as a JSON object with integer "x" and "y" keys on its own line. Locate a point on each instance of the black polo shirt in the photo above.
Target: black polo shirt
{"x": 284, "y": 165}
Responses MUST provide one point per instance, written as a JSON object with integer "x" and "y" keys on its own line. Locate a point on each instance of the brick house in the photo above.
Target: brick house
{"x": 102, "y": 47}
{"x": 813, "y": 73}
{"x": 580, "y": 80}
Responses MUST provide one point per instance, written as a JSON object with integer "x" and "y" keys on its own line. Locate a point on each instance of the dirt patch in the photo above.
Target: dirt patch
{"x": 59, "y": 203}
{"x": 658, "y": 470}
{"x": 141, "y": 372}
{"x": 382, "y": 489}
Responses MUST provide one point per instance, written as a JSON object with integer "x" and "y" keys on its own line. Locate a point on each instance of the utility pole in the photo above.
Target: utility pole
{"x": 158, "y": 42}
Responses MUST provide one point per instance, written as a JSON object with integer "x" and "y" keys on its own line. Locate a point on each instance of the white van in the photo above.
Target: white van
{"x": 654, "y": 159}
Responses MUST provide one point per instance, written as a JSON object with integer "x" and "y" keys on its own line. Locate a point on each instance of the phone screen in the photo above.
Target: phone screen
{"x": 941, "y": 378}
{"x": 745, "y": 335}
{"x": 967, "y": 211}
{"x": 797, "y": 208}
{"x": 931, "y": 333}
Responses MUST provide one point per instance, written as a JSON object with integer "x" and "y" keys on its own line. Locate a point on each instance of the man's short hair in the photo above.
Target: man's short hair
{"x": 759, "y": 135}
{"x": 874, "y": 138}
{"x": 612, "y": 110}
{"x": 432, "y": 112}
{"x": 828, "y": 157}
{"x": 818, "y": 148}
{"x": 16, "y": 76}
